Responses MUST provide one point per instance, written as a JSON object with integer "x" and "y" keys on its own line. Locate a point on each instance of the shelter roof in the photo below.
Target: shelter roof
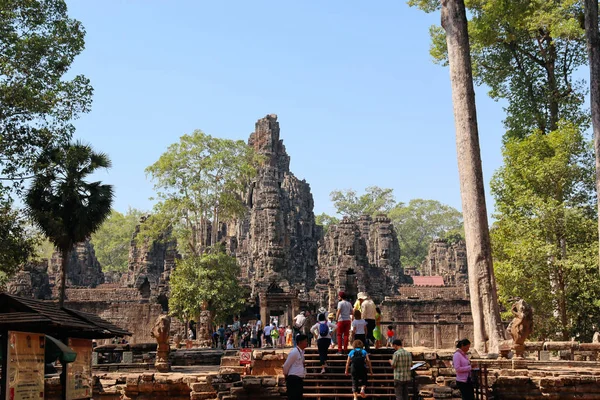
{"x": 428, "y": 280}
{"x": 25, "y": 314}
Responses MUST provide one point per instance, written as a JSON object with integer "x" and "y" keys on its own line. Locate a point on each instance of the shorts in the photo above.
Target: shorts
{"x": 390, "y": 340}
{"x": 358, "y": 381}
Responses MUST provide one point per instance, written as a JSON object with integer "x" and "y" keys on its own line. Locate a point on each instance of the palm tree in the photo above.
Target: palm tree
{"x": 66, "y": 208}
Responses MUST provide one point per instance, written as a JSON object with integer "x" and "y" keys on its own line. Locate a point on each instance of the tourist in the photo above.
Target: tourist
{"x": 462, "y": 366}
{"x": 289, "y": 333}
{"x": 359, "y": 359}
{"x": 299, "y": 322}
{"x": 377, "y": 331}
{"x": 322, "y": 331}
{"x": 402, "y": 363}
{"x": 235, "y": 329}
{"x": 282, "y": 337}
{"x": 254, "y": 336}
{"x": 359, "y": 329}
{"x": 344, "y": 311}
{"x": 229, "y": 344}
{"x": 294, "y": 370}
{"x": 221, "y": 331}
{"x": 368, "y": 311}
{"x": 331, "y": 318}
{"x": 215, "y": 338}
{"x": 390, "y": 336}
{"x": 259, "y": 331}
{"x": 274, "y": 335}
{"x": 267, "y": 335}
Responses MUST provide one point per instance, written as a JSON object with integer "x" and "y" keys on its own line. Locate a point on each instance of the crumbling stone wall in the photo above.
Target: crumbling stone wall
{"x": 83, "y": 267}
{"x": 32, "y": 281}
{"x": 447, "y": 260}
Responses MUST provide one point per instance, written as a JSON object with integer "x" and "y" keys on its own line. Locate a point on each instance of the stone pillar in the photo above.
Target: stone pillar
{"x": 264, "y": 310}
{"x": 412, "y": 335}
{"x": 204, "y": 329}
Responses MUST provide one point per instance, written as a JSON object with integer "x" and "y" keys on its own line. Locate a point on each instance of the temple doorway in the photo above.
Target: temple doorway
{"x": 351, "y": 285}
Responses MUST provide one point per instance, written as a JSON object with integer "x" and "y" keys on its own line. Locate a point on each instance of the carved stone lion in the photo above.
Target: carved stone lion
{"x": 521, "y": 326}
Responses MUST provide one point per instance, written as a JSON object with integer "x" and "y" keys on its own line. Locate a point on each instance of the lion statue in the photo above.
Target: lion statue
{"x": 160, "y": 332}
{"x": 522, "y": 324}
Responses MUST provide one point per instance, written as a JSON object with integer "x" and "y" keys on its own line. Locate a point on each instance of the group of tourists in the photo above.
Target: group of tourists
{"x": 361, "y": 325}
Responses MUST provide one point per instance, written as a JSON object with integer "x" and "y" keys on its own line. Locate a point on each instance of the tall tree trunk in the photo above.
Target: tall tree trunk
{"x": 482, "y": 285}
{"x": 63, "y": 276}
{"x": 593, "y": 46}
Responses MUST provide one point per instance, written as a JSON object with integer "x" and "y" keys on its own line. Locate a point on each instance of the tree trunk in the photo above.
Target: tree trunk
{"x": 63, "y": 276}
{"x": 593, "y": 46}
{"x": 482, "y": 286}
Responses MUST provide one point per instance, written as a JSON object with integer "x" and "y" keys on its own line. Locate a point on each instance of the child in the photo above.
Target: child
{"x": 359, "y": 359}
{"x": 359, "y": 328}
{"x": 390, "y": 336}
{"x": 274, "y": 336}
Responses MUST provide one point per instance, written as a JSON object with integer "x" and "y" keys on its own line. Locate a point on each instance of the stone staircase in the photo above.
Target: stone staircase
{"x": 334, "y": 384}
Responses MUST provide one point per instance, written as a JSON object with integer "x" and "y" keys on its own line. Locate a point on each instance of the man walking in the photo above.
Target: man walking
{"x": 368, "y": 311}
{"x": 294, "y": 370}
{"x": 401, "y": 362}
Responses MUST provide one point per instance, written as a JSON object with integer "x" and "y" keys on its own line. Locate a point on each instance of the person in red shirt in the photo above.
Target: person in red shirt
{"x": 390, "y": 336}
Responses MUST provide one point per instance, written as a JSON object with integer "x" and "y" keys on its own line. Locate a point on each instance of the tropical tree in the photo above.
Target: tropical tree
{"x": 545, "y": 234}
{"x": 17, "y": 244}
{"x": 66, "y": 208}
{"x": 375, "y": 200}
{"x": 198, "y": 180}
{"x": 112, "y": 240}
{"x": 325, "y": 221}
{"x": 421, "y": 221}
{"x": 206, "y": 282}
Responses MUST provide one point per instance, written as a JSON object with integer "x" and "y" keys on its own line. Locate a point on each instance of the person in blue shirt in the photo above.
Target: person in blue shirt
{"x": 359, "y": 360}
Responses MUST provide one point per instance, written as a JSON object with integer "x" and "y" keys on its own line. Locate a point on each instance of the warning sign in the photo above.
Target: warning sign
{"x": 245, "y": 356}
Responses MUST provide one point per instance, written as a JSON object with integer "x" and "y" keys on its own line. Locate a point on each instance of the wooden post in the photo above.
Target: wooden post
{"x": 3, "y": 380}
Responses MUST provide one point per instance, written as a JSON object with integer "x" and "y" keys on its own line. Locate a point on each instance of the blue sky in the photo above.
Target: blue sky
{"x": 359, "y": 100}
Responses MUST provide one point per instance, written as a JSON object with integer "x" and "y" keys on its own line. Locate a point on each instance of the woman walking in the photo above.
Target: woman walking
{"x": 377, "y": 331}
{"x": 462, "y": 365}
{"x": 322, "y": 330}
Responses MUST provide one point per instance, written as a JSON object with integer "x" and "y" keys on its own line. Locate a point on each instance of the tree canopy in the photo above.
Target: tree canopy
{"x": 375, "y": 200}
{"x": 421, "y": 221}
{"x": 112, "y": 240}
{"x": 545, "y": 236}
{"x": 198, "y": 180}
{"x": 208, "y": 281}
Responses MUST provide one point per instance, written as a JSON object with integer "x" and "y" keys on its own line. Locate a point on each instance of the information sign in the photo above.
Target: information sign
{"x": 25, "y": 364}
{"x": 79, "y": 372}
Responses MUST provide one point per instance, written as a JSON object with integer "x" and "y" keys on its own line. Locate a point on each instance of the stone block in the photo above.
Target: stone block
{"x": 251, "y": 383}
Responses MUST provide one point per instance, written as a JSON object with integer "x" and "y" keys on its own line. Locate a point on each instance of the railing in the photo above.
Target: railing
{"x": 480, "y": 383}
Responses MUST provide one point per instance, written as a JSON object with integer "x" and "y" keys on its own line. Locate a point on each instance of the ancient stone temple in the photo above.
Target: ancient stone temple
{"x": 448, "y": 260}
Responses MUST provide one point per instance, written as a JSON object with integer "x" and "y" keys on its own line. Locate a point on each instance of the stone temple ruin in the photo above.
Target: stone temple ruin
{"x": 286, "y": 261}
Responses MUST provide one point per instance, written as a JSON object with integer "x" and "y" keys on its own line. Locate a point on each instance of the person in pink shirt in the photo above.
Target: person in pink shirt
{"x": 462, "y": 366}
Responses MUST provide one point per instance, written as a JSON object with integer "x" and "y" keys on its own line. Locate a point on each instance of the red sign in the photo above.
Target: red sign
{"x": 245, "y": 356}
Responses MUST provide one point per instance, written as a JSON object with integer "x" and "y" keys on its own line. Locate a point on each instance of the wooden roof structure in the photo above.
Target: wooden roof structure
{"x": 29, "y": 315}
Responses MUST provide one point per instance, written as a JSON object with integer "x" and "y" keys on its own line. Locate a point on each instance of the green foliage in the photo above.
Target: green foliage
{"x": 17, "y": 245}
{"x": 545, "y": 238}
{"x": 197, "y": 180}
{"x": 374, "y": 200}
{"x": 419, "y": 222}
{"x": 325, "y": 221}
{"x": 526, "y": 52}
{"x": 206, "y": 281}
{"x": 64, "y": 206}
{"x": 38, "y": 42}
{"x": 112, "y": 240}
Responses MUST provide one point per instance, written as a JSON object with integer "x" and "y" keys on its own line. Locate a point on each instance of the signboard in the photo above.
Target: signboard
{"x": 245, "y": 356}
{"x": 79, "y": 372}
{"x": 25, "y": 365}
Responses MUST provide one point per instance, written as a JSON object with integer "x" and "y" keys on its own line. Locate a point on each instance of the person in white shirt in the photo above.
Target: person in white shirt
{"x": 259, "y": 331}
{"x": 343, "y": 316}
{"x": 368, "y": 311}
{"x": 299, "y": 321}
{"x": 294, "y": 370}
{"x": 359, "y": 327}
{"x": 323, "y": 341}
{"x": 267, "y": 333}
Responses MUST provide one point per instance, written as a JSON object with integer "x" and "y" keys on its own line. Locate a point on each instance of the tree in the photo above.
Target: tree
{"x": 113, "y": 239}
{"x": 374, "y": 200}
{"x": 526, "y": 52}
{"x": 38, "y": 42}
{"x": 17, "y": 244}
{"x": 208, "y": 281}
{"x": 482, "y": 285}
{"x": 419, "y": 222}
{"x": 545, "y": 234}
{"x": 325, "y": 221}
{"x": 197, "y": 180}
{"x": 592, "y": 37}
{"x": 65, "y": 207}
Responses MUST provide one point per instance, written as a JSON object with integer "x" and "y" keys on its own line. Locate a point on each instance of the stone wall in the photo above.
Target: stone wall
{"x": 83, "y": 267}
{"x": 448, "y": 261}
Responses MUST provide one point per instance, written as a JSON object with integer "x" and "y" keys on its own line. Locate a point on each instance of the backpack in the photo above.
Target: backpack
{"x": 323, "y": 329}
{"x": 358, "y": 361}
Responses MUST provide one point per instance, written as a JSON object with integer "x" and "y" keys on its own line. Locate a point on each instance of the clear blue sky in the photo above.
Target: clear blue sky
{"x": 359, "y": 101}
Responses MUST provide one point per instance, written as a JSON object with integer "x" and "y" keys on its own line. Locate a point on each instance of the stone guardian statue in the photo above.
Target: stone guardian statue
{"x": 160, "y": 332}
{"x": 521, "y": 327}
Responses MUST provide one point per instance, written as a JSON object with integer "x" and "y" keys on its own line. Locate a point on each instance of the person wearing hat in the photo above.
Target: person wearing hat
{"x": 299, "y": 321}
{"x": 343, "y": 317}
{"x": 331, "y": 318}
{"x": 368, "y": 311}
